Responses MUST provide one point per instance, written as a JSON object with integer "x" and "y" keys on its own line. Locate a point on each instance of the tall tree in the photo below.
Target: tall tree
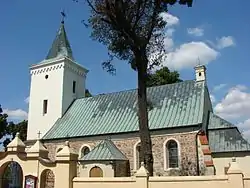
{"x": 3, "y": 123}
{"x": 20, "y": 128}
{"x": 9, "y": 129}
{"x": 133, "y": 31}
{"x": 87, "y": 93}
{"x": 163, "y": 76}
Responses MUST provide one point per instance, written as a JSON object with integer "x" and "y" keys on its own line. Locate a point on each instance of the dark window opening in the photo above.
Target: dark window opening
{"x": 74, "y": 86}
{"x": 199, "y": 73}
{"x": 173, "y": 159}
{"x": 45, "y": 106}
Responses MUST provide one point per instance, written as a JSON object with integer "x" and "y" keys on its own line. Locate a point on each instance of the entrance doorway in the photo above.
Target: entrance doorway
{"x": 47, "y": 179}
{"x": 12, "y": 175}
{"x": 96, "y": 172}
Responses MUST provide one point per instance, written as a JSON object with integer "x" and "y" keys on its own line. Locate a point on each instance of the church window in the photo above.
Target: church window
{"x": 45, "y": 106}
{"x": 84, "y": 151}
{"x": 46, "y": 76}
{"x": 199, "y": 73}
{"x": 172, "y": 154}
{"x": 74, "y": 87}
{"x": 138, "y": 156}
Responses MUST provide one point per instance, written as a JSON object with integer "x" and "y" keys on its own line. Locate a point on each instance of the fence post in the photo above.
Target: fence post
{"x": 235, "y": 175}
{"x": 65, "y": 169}
{"x": 142, "y": 177}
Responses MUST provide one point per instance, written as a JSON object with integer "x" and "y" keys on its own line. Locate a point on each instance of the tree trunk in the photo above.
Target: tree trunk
{"x": 146, "y": 144}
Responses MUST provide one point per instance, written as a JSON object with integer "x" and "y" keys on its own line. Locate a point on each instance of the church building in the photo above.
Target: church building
{"x": 187, "y": 137}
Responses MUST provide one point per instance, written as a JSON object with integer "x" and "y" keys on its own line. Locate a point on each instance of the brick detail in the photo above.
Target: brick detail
{"x": 208, "y": 160}
{"x": 206, "y": 151}
{"x": 209, "y": 163}
{"x": 203, "y": 139}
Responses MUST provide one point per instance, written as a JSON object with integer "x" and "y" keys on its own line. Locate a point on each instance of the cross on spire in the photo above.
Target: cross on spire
{"x": 39, "y": 134}
{"x": 63, "y": 16}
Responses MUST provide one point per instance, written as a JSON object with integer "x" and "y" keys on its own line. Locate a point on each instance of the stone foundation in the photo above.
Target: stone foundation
{"x": 187, "y": 142}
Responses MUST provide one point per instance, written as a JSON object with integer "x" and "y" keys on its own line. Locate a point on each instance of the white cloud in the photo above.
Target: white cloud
{"x": 219, "y": 87}
{"x": 245, "y": 128}
{"x": 245, "y": 125}
{"x": 169, "y": 32}
{"x": 17, "y": 114}
{"x": 168, "y": 43}
{"x": 188, "y": 53}
{"x": 27, "y": 100}
{"x": 246, "y": 135}
{"x": 170, "y": 19}
{"x": 236, "y": 103}
{"x": 198, "y": 32}
{"x": 225, "y": 42}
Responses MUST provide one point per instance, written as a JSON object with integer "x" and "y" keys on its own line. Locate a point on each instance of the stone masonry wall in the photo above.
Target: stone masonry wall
{"x": 187, "y": 143}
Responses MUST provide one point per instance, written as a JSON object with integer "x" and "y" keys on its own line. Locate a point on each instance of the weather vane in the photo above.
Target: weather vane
{"x": 63, "y": 16}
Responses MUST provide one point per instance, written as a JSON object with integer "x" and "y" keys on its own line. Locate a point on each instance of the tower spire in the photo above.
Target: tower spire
{"x": 60, "y": 46}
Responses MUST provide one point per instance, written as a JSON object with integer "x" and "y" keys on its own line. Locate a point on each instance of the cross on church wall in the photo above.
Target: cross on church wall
{"x": 39, "y": 134}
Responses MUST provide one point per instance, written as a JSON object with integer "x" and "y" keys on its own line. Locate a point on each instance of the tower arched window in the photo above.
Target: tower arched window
{"x": 171, "y": 154}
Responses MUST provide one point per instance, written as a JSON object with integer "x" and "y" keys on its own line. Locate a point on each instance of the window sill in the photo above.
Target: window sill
{"x": 168, "y": 169}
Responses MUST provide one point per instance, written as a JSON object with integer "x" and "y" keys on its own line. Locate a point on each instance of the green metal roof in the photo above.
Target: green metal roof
{"x": 216, "y": 122}
{"x": 173, "y": 105}
{"x": 224, "y": 136}
{"x": 61, "y": 46}
{"x": 106, "y": 150}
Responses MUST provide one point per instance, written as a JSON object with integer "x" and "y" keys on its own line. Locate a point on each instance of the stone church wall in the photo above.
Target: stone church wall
{"x": 187, "y": 142}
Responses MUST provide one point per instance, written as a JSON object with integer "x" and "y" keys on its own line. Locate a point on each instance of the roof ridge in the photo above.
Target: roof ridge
{"x": 127, "y": 90}
{"x": 112, "y": 144}
{"x": 110, "y": 149}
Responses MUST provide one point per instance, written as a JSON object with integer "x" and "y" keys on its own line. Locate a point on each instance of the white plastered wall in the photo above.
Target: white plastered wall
{"x": 57, "y": 89}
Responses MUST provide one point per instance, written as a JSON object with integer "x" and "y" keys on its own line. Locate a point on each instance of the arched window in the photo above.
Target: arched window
{"x": 85, "y": 149}
{"x": 138, "y": 158}
{"x": 47, "y": 179}
{"x": 172, "y": 154}
{"x": 96, "y": 172}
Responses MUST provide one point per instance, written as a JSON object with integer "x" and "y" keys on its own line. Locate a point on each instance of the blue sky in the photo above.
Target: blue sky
{"x": 216, "y": 32}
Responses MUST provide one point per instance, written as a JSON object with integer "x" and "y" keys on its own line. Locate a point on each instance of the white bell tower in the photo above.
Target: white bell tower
{"x": 55, "y": 83}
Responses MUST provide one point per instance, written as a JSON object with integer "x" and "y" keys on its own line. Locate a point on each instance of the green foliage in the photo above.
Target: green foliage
{"x": 3, "y": 123}
{"x": 87, "y": 93}
{"x": 20, "y": 128}
{"x": 9, "y": 129}
{"x": 163, "y": 76}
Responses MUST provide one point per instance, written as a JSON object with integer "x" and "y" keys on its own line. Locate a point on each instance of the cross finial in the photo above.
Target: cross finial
{"x": 198, "y": 61}
{"x": 39, "y": 134}
{"x": 63, "y": 16}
